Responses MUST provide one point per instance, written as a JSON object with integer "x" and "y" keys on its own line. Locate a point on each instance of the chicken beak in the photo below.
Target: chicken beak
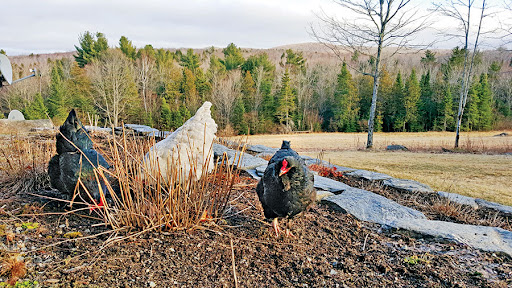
{"x": 283, "y": 171}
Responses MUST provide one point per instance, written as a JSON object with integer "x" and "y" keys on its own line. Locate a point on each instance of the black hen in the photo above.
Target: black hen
{"x": 286, "y": 188}
{"x": 75, "y": 159}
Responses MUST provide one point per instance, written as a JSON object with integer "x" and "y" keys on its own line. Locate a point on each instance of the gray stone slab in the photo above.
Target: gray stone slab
{"x": 460, "y": 199}
{"x": 98, "y": 129}
{"x": 396, "y": 147}
{"x": 261, "y": 148}
{"x": 260, "y": 170}
{"x": 15, "y": 115}
{"x": 321, "y": 194}
{"x": 368, "y": 206}
{"x": 481, "y": 237}
{"x": 369, "y": 175}
{"x": 140, "y": 129}
{"x": 330, "y": 185}
{"x": 247, "y": 161}
{"x": 219, "y": 149}
{"x": 265, "y": 154}
{"x": 317, "y": 161}
{"x": 253, "y": 174}
{"x": 407, "y": 185}
{"x": 499, "y": 207}
{"x": 304, "y": 157}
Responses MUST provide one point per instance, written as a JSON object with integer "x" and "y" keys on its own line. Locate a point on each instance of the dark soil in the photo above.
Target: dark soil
{"x": 330, "y": 250}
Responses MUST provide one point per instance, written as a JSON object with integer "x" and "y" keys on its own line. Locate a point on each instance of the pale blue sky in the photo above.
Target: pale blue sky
{"x": 33, "y": 26}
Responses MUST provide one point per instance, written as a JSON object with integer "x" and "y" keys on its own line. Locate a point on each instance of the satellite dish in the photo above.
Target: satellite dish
{"x": 5, "y": 69}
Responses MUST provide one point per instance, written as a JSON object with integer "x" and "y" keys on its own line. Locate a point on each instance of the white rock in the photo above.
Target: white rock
{"x": 189, "y": 145}
{"x": 15, "y": 115}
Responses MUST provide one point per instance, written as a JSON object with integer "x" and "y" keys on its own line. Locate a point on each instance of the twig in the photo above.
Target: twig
{"x": 365, "y": 238}
{"x": 233, "y": 261}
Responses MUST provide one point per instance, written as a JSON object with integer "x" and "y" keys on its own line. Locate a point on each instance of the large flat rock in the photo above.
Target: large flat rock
{"x": 498, "y": 207}
{"x": 261, "y": 148}
{"x": 23, "y": 126}
{"x": 244, "y": 161}
{"x": 260, "y": 170}
{"x": 330, "y": 185}
{"x": 218, "y": 149}
{"x": 407, "y": 185}
{"x": 368, "y": 206}
{"x": 481, "y": 237}
{"x": 460, "y": 199}
{"x": 140, "y": 129}
{"x": 369, "y": 175}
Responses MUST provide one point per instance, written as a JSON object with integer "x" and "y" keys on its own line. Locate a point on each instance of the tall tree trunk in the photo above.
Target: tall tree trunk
{"x": 373, "y": 108}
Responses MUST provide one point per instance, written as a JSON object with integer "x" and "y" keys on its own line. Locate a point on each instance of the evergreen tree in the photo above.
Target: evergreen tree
{"x": 447, "y": 108}
{"x": 190, "y": 60}
{"x": 127, "y": 47}
{"x": 295, "y": 60}
{"x": 472, "y": 115}
{"x": 411, "y": 98}
{"x": 398, "y": 119}
{"x": 233, "y": 57}
{"x": 238, "y": 117}
{"x": 165, "y": 115}
{"x": 385, "y": 101}
{"x": 285, "y": 102}
{"x": 346, "y": 100}
{"x": 189, "y": 91}
{"x": 248, "y": 91}
{"x": 56, "y": 101}
{"x": 90, "y": 47}
{"x": 78, "y": 88}
{"x": 484, "y": 105}
{"x": 36, "y": 109}
{"x": 427, "y": 106}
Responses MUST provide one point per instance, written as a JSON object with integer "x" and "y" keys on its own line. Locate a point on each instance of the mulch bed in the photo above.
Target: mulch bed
{"x": 330, "y": 250}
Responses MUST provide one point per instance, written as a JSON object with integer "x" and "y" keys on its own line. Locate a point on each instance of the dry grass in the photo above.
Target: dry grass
{"x": 477, "y": 175}
{"x": 424, "y": 141}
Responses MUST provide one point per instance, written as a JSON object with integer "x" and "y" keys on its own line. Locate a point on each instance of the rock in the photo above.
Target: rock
{"x": 368, "y": 206}
{"x": 98, "y": 129}
{"x": 317, "y": 162}
{"x": 261, "y": 148}
{"x": 190, "y": 143}
{"x": 253, "y": 174}
{"x": 261, "y": 170}
{"x": 396, "y": 147}
{"x": 330, "y": 185}
{"x": 24, "y": 126}
{"x": 218, "y": 150}
{"x": 247, "y": 160}
{"x": 141, "y": 130}
{"x": 501, "y": 135}
{"x": 265, "y": 154}
{"x": 15, "y": 115}
{"x": 460, "y": 199}
{"x": 481, "y": 237}
{"x": 343, "y": 169}
{"x": 321, "y": 194}
{"x": 304, "y": 157}
{"x": 369, "y": 175}
{"x": 491, "y": 205}
{"x": 407, "y": 185}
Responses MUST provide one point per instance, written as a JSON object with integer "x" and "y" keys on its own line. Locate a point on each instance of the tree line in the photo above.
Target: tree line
{"x": 253, "y": 94}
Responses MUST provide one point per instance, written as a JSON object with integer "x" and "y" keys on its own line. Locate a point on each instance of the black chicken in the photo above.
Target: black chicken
{"x": 286, "y": 188}
{"x": 75, "y": 158}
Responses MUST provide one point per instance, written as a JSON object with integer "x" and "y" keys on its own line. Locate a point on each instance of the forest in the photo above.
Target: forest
{"x": 279, "y": 90}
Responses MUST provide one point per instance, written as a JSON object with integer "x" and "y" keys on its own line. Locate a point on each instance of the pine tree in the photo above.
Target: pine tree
{"x": 484, "y": 105}
{"x": 238, "y": 118}
{"x": 398, "y": 119}
{"x": 248, "y": 91}
{"x": 189, "y": 91}
{"x": 190, "y": 60}
{"x": 127, "y": 47}
{"x": 411, "y": 99}
{"x": 79, "y": 90}
{"x": 165, "y": 115}
{"x": 285, "y": 102}
{"x": 385, "y": 104}
{"x": 232, "y": 57}
{"x": 472, "y": 115}
{"x": 90, "y": 47}
{"x": 56, "y": 101}
{"x": 427, "y": 106}
{"x": 447, "y": 108}
{"x": 346, "y": 100}
{"x": 36, "y": 109}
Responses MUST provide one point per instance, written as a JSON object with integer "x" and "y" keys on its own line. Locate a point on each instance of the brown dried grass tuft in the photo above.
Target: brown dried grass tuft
{"x": 14, "y": 267}
{"x": 24, "y": 164}
{"x": 148, "y": 200}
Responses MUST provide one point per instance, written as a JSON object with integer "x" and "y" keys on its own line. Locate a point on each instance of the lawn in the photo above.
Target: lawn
{"x": 484, "y": 175}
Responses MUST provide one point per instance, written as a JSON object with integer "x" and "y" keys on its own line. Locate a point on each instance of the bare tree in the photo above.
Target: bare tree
{"x": 460, "y": 10}
{"x": 113, "y": 84}
{"x": 145, "y": 65}
{"x": 366, "y": 29}
{"x": 225, "y": 89}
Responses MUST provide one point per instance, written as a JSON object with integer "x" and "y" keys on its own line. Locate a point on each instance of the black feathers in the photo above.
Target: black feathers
{"x": 75, "y": 159}
{"x": 291, "y": 192}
